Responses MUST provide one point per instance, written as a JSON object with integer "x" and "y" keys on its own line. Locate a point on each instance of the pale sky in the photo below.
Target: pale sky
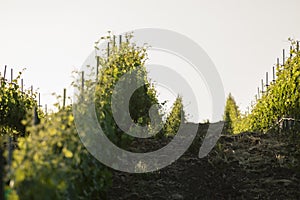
{"x": 52, "y": 38}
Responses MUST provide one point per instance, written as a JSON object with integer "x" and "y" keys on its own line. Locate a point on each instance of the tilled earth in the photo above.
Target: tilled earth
{"x": 244, "y": 166}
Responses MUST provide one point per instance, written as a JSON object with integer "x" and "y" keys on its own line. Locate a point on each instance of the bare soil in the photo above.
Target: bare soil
{"x": 244, "y": 166}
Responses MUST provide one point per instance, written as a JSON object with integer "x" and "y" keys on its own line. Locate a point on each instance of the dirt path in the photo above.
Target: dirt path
{"x": 247, "y": 166}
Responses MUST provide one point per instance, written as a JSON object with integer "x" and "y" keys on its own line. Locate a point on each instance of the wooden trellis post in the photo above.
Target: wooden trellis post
{"x": 10, "y": 138}
{"x": 64, "y": 98}
{"x": 120, "y": 40}
{"x": 11, "y": 75}
{"x": 31, "y": 88}
{"x": 267, "y": 80}
{"x": 283, "y": 56}
{"x": 114, "y": 41}
{"x": 22, "y": 85}
{"x": 273, "y": 74}
{"x": 4, "y": 72}
{"x": 107, "y": 50}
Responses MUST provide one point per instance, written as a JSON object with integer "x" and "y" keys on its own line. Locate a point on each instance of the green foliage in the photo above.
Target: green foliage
{"x": 282, "y": 98}
{"x": 123, "y": 59}
{"x": 14, "y": 106}
{"x": 52, "y": 160}
{"x": 52, "y": 163}
{"x": 175, "y": 118}
{"x": 231, "y": 115}
{"x": 242, "y": 124}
